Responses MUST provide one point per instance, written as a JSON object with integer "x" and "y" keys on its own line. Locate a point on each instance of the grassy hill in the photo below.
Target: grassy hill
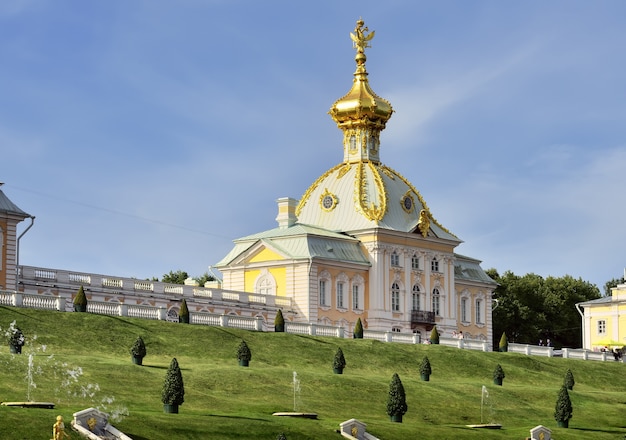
{"x": 225, "y": 401}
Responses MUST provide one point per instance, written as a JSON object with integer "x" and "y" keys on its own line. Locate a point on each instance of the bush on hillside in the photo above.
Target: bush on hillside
{"x": 425, "y": 368}
{"x": 504, "y": 344}
{"x": 80, "y": 300}
{"x": 358, "y": 329}
{"x": 434, "y": 336}
{"x": 139, "y": 348}
{"x": 279, "y": 322}
{"x": 173, "y": 392}
{"x": 243, "y": 352}
{"x": 339, "y": 362}
{"x": 568, "y": 381}
{"x": 563, "y": 409}
{"x": 183, "y": 313}
{"x": 396, "y": 402}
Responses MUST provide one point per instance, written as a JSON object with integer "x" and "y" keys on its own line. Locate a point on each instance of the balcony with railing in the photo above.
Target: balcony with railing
{"x": 422, "y": 317}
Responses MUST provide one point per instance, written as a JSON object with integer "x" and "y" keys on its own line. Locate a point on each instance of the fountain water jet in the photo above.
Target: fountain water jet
{"x": 484, "y": 402}
{"x": 295, "y": 383}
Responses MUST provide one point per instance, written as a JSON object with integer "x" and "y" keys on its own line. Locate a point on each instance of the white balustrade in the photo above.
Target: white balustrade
{"x": 173, "y": 289}
{"x": 112, "y": 282}
{"x": 79, "y": 278}
{"x": 146, "y": 286}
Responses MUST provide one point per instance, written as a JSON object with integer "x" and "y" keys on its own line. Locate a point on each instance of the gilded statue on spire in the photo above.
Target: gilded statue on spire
{"x": 359, "y": 40}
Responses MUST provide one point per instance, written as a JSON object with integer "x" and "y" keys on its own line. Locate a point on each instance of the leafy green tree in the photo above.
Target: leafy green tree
{"x": 204, "y": 278}
{"x": 612, "y": 283}
{"x": 177, "y": 277}
{"x": 532, "y": 308}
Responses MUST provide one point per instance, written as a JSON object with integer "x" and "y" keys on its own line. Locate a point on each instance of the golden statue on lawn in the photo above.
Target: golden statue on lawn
{"x": 58, "y": 429}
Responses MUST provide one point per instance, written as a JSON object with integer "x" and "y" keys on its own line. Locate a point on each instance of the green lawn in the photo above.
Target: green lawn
{"x": 225, "y": 401}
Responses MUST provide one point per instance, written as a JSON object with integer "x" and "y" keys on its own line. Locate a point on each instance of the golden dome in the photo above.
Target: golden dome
{"x": 361, "y": 107}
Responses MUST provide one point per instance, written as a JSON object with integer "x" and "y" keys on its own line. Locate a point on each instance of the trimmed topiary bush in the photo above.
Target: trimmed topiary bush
{"x": 568, "y": 381}
{"x": 243, "y": 354}
{"x": 498, "y": 375}
{"x": 434, "y": 336}
{"x": 504, "y": 344}
{"x": 396, "y": 403}
{"x": 138, "y": 351}
{"x": 183, "y": 313}
{"x": 339, "y": 362}
{"x": 358, "y": 330}
{"x": 425, "y": 369}
{"x": 563, "y": 409}
{"x": 279, "y": 322}
{"x": 173, "y": 392}
{"x": 80, "y": 301}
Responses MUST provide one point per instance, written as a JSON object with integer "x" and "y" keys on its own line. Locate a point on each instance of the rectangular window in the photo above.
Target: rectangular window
{"x": 601, "y": 327}
{"x": 395, "y": 259}
{"x": 340, "y": 296}
{"x": 434, "y": 265}
{"x": 416, "y": 301}
{"x": 395, "y": 301}
{"x": 415, "y": 262}
{"x": 479, "y": 311}
{"x": 355, "y": 297}
{"x": 436, "y": 308}
{"x": 464, "y": 310}
{"x": 323, "y": 292}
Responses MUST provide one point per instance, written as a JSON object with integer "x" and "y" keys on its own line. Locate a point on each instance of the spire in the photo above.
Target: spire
{"x": 361, "y": 114}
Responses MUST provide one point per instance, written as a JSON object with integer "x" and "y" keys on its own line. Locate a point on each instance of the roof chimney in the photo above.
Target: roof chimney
{"x": 286, "y": 212}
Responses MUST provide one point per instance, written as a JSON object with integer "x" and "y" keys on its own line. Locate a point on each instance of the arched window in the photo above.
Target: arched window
{"x": 395, "y": 297}
{"x": 266, "y": 285}
{"x": 436, "y": 302}
{"x": 416, "y": 298}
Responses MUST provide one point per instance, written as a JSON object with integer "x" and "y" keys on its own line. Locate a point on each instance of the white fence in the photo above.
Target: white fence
{"x": 567, "y": 353}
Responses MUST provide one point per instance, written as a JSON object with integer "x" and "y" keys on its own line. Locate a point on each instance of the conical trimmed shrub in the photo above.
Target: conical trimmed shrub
{"x": 279, "y": 322}
{"x": 563, "y": 409}
{"x": 434, "y": 336}
{"x": 80, "y": 301}
{"x": 396, "y": 402}
{"x": 358, "y": 329}
{"x": 173, "y": 392}
{"x": 183, "y": 313}
{"x": 568, "y": 381}
{"x": 504, "y": 344}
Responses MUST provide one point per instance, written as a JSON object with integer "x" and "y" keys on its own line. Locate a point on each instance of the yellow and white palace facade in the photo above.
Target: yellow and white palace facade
{"x": 362, "y": 243}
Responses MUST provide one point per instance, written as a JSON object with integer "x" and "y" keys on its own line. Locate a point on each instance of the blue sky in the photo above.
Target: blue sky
{"x": 145, "y": 136}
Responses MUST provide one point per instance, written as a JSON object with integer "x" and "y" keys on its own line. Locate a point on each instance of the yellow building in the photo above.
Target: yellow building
{"x": 10, "y": 216}
{"x": 604, "y": 320}
{"x": 362, "y": 243}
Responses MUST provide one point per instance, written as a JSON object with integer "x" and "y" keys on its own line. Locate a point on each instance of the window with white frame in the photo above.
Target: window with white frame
{"x": 415, "y": 262}
{"x": 395, "y": 297}
{"x": 601, "y": 327}
{"x": 436, "y": 302}
{"x": 479, "y": 311}
{"x": 464, "y": 310}
{"x": 323, "y": 294}
{"x": 434, "y": 265}
{"x": 395, "y": 259}
{"x": 355, "y": 297}
{"x": 415, "y": 298}
{"x": 340, "y": 293}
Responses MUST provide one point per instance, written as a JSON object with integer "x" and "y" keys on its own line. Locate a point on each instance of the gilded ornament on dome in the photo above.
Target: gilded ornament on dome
{"x": 328, "y": 201}
{"x": 343, "y": 170}
{"x": 407, "y": 203}
{"x": 423, "y": 224}
{"x": 359, "y": 39}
